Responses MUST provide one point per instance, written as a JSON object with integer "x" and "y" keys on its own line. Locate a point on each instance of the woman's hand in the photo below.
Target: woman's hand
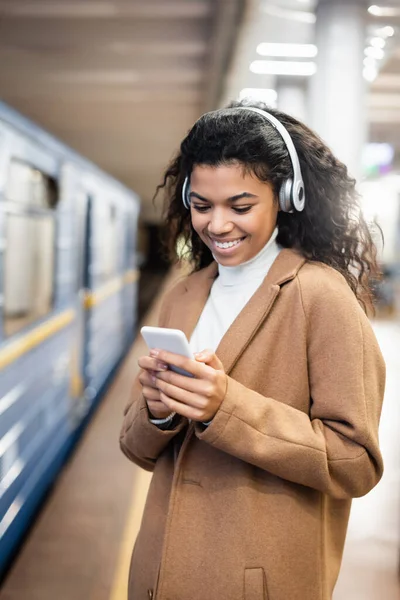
{"x": 147, "y": 378}
{"x": 196, "y": 398}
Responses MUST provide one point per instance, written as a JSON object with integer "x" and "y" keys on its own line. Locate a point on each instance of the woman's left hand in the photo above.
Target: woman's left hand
{"x": 198, "y": 398}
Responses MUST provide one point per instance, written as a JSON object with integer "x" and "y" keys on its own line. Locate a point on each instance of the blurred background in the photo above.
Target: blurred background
{"x": 97, "y": 95}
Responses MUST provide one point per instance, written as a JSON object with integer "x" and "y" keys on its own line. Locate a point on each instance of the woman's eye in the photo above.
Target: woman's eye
{"x": 241, "y": 209}
{"x": 201, "y": 207}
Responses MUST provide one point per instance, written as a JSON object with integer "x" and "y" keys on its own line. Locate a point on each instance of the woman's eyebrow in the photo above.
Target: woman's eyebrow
{"x": 231, "y": 199}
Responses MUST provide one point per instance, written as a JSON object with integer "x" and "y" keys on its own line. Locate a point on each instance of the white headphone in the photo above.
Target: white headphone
{"x": 291, "y": 195}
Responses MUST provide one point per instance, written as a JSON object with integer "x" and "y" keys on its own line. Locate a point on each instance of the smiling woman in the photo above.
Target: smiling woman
{"x": 257, "y": 456}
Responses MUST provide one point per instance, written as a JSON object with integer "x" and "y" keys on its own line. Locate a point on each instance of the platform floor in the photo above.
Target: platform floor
{"x": 370, "y": 569}
{"x": 79, "y": 547}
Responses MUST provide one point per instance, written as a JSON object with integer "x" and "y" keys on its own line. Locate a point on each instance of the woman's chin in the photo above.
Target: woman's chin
{"x": 229, "y": 261}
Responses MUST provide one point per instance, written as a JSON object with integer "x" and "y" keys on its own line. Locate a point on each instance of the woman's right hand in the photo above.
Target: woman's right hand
{"x": 148, "y": 380}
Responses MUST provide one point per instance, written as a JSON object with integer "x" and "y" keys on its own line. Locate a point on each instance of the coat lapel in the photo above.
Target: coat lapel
{"x": 189, "y": 305}
{"x": 250, "y": 319}
{"x": 246, "y": 325}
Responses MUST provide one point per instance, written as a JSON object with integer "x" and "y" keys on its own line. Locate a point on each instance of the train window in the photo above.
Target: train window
{"x": 30, "y": 187}
{"x": 30, "y": 227}
{"x": 108, "y": 245}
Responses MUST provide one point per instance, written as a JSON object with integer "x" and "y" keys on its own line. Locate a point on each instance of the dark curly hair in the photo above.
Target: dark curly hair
{"x": 331, "y": 229}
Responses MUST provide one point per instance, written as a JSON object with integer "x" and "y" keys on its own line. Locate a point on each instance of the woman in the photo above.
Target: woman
{"x": 256, "y": 458}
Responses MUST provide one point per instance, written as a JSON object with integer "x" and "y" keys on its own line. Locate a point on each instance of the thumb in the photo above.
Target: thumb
{"x": 209, "y": 358}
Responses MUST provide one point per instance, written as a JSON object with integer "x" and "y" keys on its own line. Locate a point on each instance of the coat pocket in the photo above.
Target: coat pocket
{"x": 255, "y": 584}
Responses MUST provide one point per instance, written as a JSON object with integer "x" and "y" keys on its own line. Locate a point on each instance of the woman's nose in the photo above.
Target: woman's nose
{"x": 219, "y": 224}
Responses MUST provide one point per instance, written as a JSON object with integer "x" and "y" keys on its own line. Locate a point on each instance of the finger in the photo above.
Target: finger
{"x": 194, "y": 367}
{"x": 182, "y": 396}
{"x": 190, "y": 384}
{"x": 158, "y": 410}
{"x": 151, "y": 393}
{"x": 182, "y": 409}
{"x": 145, "y": 377}
{"x": 209, "y": 358}
{"x": 151, "y": 364}
{"x": 148, "y": 378}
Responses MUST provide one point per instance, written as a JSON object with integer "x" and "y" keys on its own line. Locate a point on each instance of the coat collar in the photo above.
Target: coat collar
{"x": 188, "y": 306}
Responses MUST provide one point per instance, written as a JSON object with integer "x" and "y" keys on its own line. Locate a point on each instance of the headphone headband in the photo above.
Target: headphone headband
{"x": 285, "y": 135}
{"x": 291, "y": 195}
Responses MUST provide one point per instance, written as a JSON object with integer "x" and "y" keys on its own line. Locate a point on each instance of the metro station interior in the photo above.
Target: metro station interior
{"x": 96, "y": 96}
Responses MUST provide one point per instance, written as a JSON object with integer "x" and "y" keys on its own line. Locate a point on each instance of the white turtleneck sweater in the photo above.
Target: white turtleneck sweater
{"x": 230, "y": 292}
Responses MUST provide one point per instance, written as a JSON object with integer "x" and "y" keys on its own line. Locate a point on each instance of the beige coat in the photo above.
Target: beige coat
{"x": 255, "y": 507}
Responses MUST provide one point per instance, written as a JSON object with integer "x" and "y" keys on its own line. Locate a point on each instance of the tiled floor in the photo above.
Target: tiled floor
{"x": 80, "y": 546}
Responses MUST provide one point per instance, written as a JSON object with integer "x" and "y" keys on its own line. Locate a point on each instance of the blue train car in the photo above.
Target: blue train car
{"x": 68, "y": 289}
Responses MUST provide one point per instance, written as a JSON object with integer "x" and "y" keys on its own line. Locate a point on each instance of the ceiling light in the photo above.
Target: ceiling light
{"x": 377, "y": 42}
{"x": 268, "y": 96}
{"x": 369, "y": 61}
{"x": 376, "y": 53}
{"x": 281, "y": 67}
{"x": 370, "y": 73}
{"x": 383, "y": 11}
{"x": 388, "y": 31}
{"x": 288, "y": 50}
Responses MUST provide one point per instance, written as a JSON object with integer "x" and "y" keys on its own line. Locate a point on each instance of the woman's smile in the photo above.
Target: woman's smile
{"x": 228, "y": 246}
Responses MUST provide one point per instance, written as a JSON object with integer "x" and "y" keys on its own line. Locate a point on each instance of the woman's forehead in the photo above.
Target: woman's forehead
{"x": 226, "y": 181}
{"x": 231, "y": 175}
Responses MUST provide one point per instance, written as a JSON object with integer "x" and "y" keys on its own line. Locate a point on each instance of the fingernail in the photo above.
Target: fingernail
{"x": 153, "y": 378}
{"x": 162, "y": 366}
{"x": 154, "y": 353}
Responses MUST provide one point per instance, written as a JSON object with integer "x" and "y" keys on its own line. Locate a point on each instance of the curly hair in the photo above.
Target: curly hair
{"x": 331, "y": 229}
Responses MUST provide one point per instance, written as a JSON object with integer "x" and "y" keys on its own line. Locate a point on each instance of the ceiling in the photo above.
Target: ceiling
{"x": 120, "y": 81}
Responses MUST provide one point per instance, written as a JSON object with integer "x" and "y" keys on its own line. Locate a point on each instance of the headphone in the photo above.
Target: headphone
{"x": 292, "y": 196}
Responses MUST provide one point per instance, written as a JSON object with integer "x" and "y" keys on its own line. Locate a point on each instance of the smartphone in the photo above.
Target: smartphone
{"x": 172, "y": 340}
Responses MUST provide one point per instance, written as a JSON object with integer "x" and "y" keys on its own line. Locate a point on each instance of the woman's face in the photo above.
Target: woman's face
{"x": 233, "y": 212}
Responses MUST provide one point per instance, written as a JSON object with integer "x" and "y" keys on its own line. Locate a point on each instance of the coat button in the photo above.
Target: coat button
{"x": 150, "y": 594}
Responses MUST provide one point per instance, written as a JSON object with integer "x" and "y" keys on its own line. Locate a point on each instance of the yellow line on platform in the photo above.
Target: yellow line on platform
{"x": 141, "y": 484}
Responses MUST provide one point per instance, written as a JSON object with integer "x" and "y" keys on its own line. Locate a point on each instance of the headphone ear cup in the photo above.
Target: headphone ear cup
{"x": 285, "y": 196}
{"x": 186, "y": 193}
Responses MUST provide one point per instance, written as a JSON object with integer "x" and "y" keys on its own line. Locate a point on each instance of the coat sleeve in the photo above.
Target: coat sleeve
{"x": 140, "y": 440}
{"x": 334, "y": 448}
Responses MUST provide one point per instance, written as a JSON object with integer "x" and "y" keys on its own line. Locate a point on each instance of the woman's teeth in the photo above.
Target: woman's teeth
{"x": 227, "y": 244}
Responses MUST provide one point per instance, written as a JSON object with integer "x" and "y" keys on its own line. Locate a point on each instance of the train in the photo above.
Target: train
{"x": 68, "y": 308}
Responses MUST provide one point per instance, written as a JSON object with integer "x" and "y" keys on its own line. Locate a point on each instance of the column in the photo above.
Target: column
{"x": 337, "y": 92}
